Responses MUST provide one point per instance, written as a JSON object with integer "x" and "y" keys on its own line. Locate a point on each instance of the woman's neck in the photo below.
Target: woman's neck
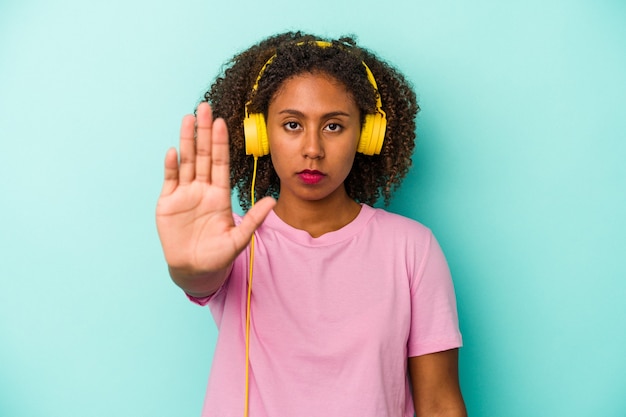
{"x": 317, "y": 217}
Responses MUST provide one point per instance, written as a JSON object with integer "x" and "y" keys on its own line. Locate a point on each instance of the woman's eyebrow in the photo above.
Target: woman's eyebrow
{"x": 325, "y": 116}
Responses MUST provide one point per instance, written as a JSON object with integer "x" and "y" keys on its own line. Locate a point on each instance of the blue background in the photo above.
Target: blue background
{"x": 519, "y": 171}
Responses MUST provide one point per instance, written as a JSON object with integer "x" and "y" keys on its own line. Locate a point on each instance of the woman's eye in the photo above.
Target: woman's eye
{"x": 292, "y": 125}
{"x": 333, "y": 127}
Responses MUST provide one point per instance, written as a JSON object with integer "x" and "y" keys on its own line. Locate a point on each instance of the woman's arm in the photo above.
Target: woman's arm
{"x": 435, "y": 381}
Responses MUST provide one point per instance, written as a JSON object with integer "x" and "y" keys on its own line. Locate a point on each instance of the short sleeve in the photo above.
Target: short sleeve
{"x": 434, "y": 319}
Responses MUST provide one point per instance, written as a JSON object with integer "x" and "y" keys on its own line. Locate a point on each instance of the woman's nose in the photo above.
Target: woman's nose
{"x": 312, "y": 145}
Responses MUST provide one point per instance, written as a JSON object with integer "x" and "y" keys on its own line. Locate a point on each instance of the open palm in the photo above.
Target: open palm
{"x": 194, "y": 213}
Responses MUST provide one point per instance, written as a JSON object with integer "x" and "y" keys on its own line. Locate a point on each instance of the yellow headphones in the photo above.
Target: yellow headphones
{"x": 372, "y": 132}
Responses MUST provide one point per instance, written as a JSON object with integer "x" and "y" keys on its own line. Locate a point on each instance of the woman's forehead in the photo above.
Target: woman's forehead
{"x": 319, "y": 88}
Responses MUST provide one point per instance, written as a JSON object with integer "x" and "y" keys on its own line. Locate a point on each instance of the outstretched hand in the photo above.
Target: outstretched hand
{"x": 194, "y": 212}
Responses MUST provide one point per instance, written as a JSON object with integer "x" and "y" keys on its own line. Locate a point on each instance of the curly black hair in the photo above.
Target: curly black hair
{"x": 295, "y": 53}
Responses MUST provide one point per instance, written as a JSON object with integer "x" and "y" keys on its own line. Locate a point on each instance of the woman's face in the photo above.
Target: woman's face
{"x": 313, "y": 126}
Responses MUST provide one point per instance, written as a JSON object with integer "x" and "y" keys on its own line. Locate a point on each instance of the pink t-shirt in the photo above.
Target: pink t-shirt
{"x": 334, "y": 319}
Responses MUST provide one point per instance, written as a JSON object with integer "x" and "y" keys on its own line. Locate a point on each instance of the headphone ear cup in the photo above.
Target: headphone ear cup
{"x": 372, "y": 134}
{"x": 255, "y": 133}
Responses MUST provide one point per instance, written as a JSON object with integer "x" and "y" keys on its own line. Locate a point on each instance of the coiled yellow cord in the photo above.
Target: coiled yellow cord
{"x": 247, "y": 388}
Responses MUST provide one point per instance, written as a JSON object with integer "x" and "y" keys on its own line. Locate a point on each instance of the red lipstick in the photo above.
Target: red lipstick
{"x": 310, "y": 176}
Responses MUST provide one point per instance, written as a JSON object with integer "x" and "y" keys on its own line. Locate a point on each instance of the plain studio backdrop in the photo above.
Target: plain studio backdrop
{"x": 519, "y": 170}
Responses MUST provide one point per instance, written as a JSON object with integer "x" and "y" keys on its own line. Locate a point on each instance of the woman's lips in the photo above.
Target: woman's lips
{"x": 310, "y": 176}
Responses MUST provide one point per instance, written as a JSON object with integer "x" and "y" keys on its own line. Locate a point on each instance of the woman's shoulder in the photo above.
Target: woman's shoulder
{"x": 397, "y": 222}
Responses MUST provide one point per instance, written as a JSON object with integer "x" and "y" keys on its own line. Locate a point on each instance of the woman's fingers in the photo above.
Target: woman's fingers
{"x": 187, "y": 167}
{"x": 220, "y": 165}
{"x": 252, "y": 220}
{"x": 204, "y": 154}
{"x": 204, "y": 128}
{"x": 170, "y": 181}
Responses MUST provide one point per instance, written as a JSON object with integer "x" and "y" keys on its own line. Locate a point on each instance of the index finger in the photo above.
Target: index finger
{"x": 220, "y": 167}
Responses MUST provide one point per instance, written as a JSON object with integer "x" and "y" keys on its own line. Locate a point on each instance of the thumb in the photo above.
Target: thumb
{"x": 253, "y": 219}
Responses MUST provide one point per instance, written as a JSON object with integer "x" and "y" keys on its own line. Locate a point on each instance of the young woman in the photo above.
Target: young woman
{"x": 334, "y": 308}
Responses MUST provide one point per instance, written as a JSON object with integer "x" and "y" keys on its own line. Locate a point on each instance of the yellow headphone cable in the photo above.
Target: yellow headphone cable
{"x": 249, "y": 298}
